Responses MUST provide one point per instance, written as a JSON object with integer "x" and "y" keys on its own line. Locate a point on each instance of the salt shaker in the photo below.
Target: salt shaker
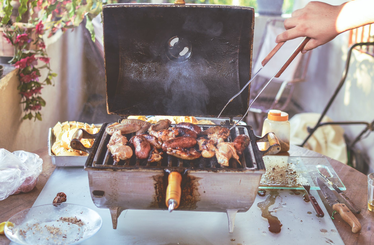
{"x": 277, "y": 122}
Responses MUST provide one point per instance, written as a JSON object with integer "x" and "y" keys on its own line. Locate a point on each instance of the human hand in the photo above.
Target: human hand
{"x": 316, "y": 20}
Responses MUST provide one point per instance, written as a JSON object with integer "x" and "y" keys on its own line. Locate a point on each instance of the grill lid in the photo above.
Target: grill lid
{"x": 166, "y": 59}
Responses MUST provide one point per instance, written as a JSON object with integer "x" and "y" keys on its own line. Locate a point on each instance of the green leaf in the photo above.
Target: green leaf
{"x": 90, "y": 28}
{"x": 42, "y": 101}
{"x": 22, "y": 9}
{"x": 25, "y": 117}
{"x": 48, "y": 81}
{"x": 80, "y": 15}
{"x": 7, "y": 12}
{"x": 72, "y": 9}
{"x": 38, "y": 116}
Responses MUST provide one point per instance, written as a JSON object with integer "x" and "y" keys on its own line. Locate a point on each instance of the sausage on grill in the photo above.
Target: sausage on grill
{"x": 141, "y": 145}
{"x": 189, "y": 126}
{"x": 179, "y": 143}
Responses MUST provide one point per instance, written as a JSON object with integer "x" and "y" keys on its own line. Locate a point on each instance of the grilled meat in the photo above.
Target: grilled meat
{"x": 160, "y": 125}
{"x": 164, "y": 134}
{"x": 189, "y": 126}
{"x": 206, "y": 147}
{"x": 155, "y": 155}
{"x": 240, "y": 143}
{"x": 218, "y": 134}
{"x": 186, "y": 154}
{"x": 179, "y": 143}
{"x": 186, "y": 132}
{"x": 152, "y": 140}
{"x": 141, "y": 145}
{"x": 225, "y": 151}
{"x": 118, "y": 148}
{"x": 128, "y": 126}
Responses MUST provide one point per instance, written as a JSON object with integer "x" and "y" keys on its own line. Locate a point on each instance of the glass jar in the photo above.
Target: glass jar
{"x": 277, "y": 122}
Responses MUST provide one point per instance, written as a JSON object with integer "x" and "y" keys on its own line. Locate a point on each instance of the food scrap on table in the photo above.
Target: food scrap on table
{"x": 60, "y": 198}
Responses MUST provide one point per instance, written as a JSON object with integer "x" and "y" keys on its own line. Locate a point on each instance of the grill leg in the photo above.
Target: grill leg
{"x": 231, "y": 214}
{"x": 115, "y": 213}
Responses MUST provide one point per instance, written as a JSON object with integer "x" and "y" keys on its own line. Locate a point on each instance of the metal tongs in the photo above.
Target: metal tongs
{"x": 263, "y": 63}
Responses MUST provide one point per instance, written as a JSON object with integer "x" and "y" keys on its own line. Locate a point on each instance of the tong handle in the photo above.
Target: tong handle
{"x": 272, "y": 53}
{"x": 75, "y": 142}
{"x": 293, "y": 56}
{"x": 274, "y": 145}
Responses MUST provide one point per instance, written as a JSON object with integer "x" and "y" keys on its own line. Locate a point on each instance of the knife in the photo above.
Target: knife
{"x": 340, "y": 208}
{"x": 347, "y": 201}
{"x": 281, "y": 70}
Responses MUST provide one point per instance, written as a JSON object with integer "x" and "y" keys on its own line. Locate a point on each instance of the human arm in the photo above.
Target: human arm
{"x": 322, "y": 22}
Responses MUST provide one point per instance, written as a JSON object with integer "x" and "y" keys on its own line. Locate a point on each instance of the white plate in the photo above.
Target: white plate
{"x": 48, "y": 224}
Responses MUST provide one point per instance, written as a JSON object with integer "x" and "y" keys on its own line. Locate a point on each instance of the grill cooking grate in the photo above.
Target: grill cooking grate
{"x": 103, "y": 159}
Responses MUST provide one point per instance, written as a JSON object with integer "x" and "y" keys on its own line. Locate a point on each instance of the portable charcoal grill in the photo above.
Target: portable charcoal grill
{"x": 166, "y": 59}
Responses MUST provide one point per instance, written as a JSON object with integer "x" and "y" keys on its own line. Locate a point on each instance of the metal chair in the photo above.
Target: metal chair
{"x": 279, "y": 92}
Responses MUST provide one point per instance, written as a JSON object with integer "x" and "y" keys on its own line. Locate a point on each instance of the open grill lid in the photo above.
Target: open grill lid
{"x": 166, "y": 59}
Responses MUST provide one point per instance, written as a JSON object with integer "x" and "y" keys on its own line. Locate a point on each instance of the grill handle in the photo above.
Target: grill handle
{"x": 173, "y": 191}
{"x": 272, "y": 140}
{"x": 76, "y": 144}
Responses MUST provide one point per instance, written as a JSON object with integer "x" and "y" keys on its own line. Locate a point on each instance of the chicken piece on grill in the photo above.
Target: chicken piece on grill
{"x": 184, "y": 153}
{"x": 206, "y": 147}
{"x": 225, "y": 151}
{"x": 141, "y": 145}
{"x": 217, "y": 133}
{"x": 165, "y": 134}
{"x": 155, "y": 155}
{"x": 152, "y": 140}
{"x": 128, "y": 126}
{"x": 240, "y": 143}
{"x": 118, "y": 148}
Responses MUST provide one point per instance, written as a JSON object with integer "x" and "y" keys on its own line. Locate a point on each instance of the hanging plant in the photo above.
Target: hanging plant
{"x": 29, "y": 63}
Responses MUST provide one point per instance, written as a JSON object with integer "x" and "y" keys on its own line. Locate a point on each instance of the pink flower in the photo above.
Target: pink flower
{"x": 25, "y": 78}
{"x": 34, "y": 76}
{"x": 25, "y": 62}
{"x": 21, "y": 64}
{"x": 37, "y": 107}
{"x": 31, "y": 60}
{"x": 27, "y": 94}
{"x": 41, "y": 45}
{"x": 22, "y": 39}
{"x": 39, "y": 28}
{"x": 7, "y": 39}
{"x": 44, "y": 59}
{"x": 37, "y": 90}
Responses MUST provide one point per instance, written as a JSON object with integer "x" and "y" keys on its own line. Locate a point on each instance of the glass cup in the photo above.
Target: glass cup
{"x": 371, "y": 192}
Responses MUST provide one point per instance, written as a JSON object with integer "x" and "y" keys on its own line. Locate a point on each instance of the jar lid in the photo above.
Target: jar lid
{"x": 277, "y": 115}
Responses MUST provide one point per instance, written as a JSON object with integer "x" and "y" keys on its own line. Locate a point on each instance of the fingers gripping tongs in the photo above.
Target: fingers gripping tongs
{"x": 263, "y": 63}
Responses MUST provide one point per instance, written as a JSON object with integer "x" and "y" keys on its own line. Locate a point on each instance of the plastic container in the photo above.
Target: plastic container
{"x": 277, "y": 122}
